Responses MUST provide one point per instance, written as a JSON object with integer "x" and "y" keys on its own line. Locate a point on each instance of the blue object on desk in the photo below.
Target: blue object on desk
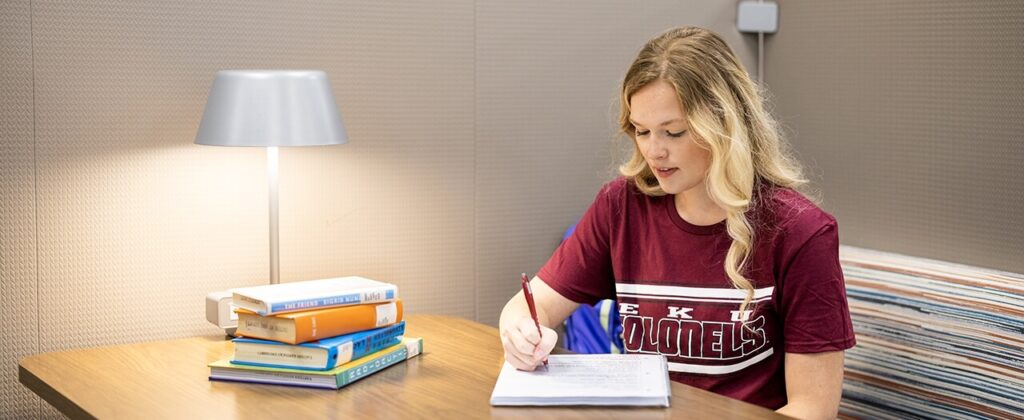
{"x": 594, "y": 329}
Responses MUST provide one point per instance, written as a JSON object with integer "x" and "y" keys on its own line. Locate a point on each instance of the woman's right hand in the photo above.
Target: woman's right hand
{"x": 525, "y": 349}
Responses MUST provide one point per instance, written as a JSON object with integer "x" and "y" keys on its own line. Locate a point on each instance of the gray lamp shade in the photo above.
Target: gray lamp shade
{"x": 271, "y": 108}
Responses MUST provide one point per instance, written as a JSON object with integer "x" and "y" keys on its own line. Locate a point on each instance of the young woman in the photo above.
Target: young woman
{"x": 716, "y": 261}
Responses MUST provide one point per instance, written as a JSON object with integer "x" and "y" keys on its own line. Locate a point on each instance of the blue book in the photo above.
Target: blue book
{"x": 325, "y": 354}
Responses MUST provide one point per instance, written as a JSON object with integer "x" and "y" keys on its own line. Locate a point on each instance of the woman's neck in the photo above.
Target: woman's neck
{"x": 697, "y": 208}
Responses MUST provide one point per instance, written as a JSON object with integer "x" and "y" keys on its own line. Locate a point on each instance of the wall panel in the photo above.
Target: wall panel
{"x": 908, "y": 114}
{"x": 18, "y": 280}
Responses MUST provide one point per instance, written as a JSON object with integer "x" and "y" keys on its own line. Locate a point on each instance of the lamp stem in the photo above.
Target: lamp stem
{"x": 275, "y": 266}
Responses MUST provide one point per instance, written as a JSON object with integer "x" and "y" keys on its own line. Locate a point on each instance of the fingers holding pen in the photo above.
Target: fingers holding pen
{"x": 542, "y": 342}
{"x": 522, "y": 342}
{"x": 525, "y": 348}
{"x": 547, "y": 342}
{"x": 518, "y": 351}
{"x": 529, "y": 330}
{"x": 518, "y": 361}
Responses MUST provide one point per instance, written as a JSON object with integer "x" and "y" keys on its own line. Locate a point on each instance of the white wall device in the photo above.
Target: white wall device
{"x": 220, "y": 311}
{"x": 754, "y": 16}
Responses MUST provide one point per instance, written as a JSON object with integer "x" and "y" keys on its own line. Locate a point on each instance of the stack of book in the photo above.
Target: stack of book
{"x": 320, "y": 333}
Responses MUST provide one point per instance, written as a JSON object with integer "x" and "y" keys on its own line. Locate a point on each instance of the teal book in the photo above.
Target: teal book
{"x": 325, "y": 354}
{"x": 224, "y": 370}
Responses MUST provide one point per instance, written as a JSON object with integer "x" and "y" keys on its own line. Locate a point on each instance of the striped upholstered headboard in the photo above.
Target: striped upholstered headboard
{"x": 934, "y": 339}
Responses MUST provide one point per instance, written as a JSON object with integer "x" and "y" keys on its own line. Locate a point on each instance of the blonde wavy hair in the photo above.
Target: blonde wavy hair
{"x": 726, "y": 113}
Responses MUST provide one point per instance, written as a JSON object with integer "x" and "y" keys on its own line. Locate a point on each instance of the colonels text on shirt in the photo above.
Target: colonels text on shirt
{"x": 701, "y": 330}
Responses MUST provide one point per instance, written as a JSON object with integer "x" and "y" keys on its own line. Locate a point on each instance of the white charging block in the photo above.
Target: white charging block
{"x": 221, "y": 312}
{"x": 753, "y": 16}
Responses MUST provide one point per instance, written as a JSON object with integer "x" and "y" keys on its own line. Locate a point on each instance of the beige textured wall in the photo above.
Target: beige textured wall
{"x": 19, "y": 288}
{"x": 479, "y": 130}
{"x": 909, "y": 114}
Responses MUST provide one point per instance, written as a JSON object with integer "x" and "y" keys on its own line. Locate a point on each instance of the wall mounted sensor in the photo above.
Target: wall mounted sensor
{"x": 754, "y": 16}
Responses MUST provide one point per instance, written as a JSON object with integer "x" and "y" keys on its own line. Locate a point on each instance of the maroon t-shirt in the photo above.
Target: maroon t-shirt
{"x": 675, "y": 299}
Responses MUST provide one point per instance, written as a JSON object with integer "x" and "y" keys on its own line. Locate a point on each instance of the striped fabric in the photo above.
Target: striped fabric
{"x": 934, "y": 339}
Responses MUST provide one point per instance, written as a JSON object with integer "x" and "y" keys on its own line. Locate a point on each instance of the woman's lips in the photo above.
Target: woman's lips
{"x": 665, "y": 172}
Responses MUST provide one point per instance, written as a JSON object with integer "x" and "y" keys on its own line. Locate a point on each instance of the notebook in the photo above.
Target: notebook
{"x": 587, "y": 379}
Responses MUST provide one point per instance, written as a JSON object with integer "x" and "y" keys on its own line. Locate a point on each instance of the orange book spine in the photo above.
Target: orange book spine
{"x": 315, "y": 325}
{"x": 318, "y": 324}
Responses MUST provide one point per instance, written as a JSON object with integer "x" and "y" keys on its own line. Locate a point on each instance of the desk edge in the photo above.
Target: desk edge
{"x": 50, "y": 395}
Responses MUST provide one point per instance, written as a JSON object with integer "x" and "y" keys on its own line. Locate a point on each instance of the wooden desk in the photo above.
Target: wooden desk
{"x": 453, "y": 378}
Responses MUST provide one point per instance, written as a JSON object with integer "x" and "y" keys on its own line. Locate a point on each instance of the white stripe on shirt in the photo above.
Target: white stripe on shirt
{"x": 690, "y": 299}
{"x": 719, "y": 369}
{"x": 691, "y": 292}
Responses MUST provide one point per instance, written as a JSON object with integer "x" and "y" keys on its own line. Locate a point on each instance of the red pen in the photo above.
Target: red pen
{"x": 528, "y": 292}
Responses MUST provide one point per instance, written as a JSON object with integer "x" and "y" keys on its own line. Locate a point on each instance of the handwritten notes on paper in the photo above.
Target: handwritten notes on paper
{"x": 591, "y": 379}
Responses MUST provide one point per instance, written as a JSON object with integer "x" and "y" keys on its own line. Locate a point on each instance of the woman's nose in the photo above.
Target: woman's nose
{"x": 656, "y": 148}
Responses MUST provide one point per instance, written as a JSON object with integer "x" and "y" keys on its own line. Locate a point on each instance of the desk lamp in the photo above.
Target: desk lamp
{"x": 271, "y": 108}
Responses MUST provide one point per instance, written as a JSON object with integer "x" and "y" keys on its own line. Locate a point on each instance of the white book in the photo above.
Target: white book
{"x": 587, "y": 379}
{"x": 313, "y": 294}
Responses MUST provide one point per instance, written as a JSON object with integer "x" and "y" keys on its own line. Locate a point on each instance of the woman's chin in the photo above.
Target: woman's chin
{"x": 672, "y": 186}
{"x": 669, "y": 187}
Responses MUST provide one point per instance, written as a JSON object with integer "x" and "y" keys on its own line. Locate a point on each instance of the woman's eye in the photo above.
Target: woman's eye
{"x": 679, "y": 134}
{"x": 642, "y": 133}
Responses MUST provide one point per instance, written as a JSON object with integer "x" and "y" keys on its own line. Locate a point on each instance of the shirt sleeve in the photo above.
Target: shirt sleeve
{"x": 815, "y": 313}
{"x": 581, "y": 267}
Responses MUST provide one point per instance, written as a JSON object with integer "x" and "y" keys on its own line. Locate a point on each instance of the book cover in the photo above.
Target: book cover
{"x": 311, "y": 294}
{"x": 312, "y": 325}
{"x": 224, "y": 370}
{"x": 317, "y": 355}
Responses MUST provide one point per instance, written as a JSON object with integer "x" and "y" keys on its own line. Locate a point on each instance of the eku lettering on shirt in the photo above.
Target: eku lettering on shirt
{"x": 721, "y": 341}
